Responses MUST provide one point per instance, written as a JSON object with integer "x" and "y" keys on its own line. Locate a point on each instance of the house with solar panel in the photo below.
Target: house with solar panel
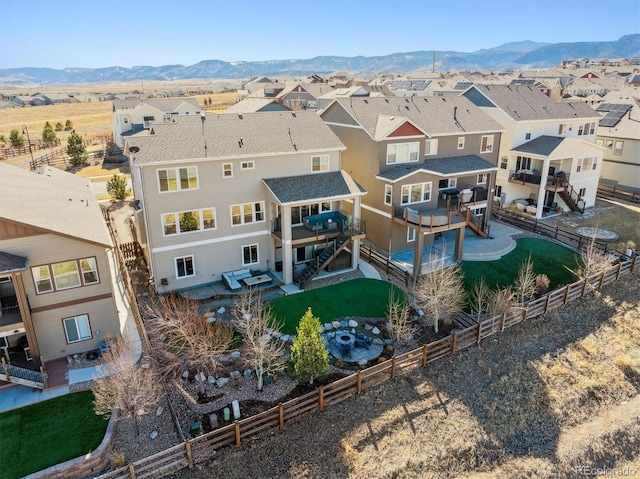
{"x": 428, "y": 165}
{"x": 619, "y": 134}
{"x": 243, "y": 199}
{"x": 57, "y": 267}
{"x": 549, "y": 159}
{"x": 131, "y": 116}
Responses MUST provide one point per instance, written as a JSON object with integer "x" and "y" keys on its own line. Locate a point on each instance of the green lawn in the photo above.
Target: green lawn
{"x": 35, "y": 437}
{"x": 359, "y": 297}
{"x": 548, "y": 257}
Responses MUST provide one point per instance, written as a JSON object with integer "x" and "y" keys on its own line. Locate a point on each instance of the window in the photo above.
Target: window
{"x": 184, "y": 266}
{"x": 415, "y": 193}
{"x": 247, "y": 165}
{"x": 460, "y": 142}
{"x": 177, "y": 179}
{"x": 125, "y": 120}
{"x": 498, "y": 192}
{"x": 227, "y": 170}
{"x": 388, "y": 194}
{"x": 562, "y": 128}
{"x": 89, "y": 271}
{"x": 312, "y": 104}
{"x": 523, "y": 163}
{"x": 411, "y": 235}
{"x": 186, "y": 221}
{"x": 586, "y": 164}
{"x": 66, "y": 275}
{"x": 402, "y": 152}
{"x": 527, "y": 135}
{"x": 482, "y": 178}
{"x": 583, "y": 193}
{"x": 249, "y": 254}
{"x": 592, "y": 128}
{"x": 77, "y": 328}
{"x": 430, "y": 147}
{"x": 148, "y": 120}
{"x": 320, "y": 163}
{"x": 618, "y": 148}
{"x": 580, "y": 129}
{"x": 447, "y": 183}
{"x": 298, "y": 213}
{"x": 587, "y": 129}
{"x": 247, "y": 213}
{"x": 600, "y": 142}
{"x": 486, "y": 144}
{"x": 504, "y": 161}
{"x": 42, "y": 279}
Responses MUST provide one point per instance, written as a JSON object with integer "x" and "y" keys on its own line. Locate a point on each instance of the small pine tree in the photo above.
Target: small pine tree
{"x": 309, "y": 354}
{"x": 16, "y": 138}
{"x": 48, "y": 135}
{"x": 117, "y": 188}
{"x": 76, "y": 150}
{"x": 59, "y": 126}
{"x": 68, "y": 126}
{"x": 189, "y": 221}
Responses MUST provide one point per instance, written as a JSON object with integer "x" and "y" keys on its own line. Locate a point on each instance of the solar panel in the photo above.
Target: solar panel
{"x": 463, "y": 85}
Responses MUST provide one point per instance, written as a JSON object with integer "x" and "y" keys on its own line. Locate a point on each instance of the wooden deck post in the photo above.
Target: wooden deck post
{"x": 393, "y": 367}
{"x": 584, "y": 286}
{"x": 237, "y": 430}
{"x": 280, "y": 416}
{"x": 478, "y": 332}
{"x": 358, "y": 382}
{"x": 546, "y": 303}
{"x": 6, "y": 369}
{"x": 633, "y": 263}
{"x": 424, "y": 355}
{"x": 321, "y": 398}
{"x": 601, "y": 280}
{"x": 454, "y": 340}
{"x": 502, "y": 321}
{"x": 187, "y": 445}
{"x": 619, "y": 269}
{"x": 566, "y": 294}
{"x": 132, "y": 471}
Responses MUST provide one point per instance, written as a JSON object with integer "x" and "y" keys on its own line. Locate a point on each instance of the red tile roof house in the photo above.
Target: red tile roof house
{"x": 56, "y": 274}
{"x": 224, "y": 195}
{"x": 413, "y": 156}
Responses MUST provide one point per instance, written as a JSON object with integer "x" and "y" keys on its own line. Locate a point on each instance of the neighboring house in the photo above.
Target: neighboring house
{"x": 413, "y": 156}
{"x": 303, "y": 96}
{"x": 56, "y": 291}
{"x": 585, "y": 86}
{"x": 232, "y": 193}
{"x": 353, "y": 91}
{"x": 619, "y": 134}
{"x": 134, "y": 115}
{"x": 548, "y": 155}
{"x": 254, "y": 105}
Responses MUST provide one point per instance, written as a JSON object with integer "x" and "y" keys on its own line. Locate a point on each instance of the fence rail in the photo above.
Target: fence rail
{"x": 613, "y": 190}
{"x": 203, "y": 447}
{"x": 12, "y": 152}
{"x": 371, "y": 256}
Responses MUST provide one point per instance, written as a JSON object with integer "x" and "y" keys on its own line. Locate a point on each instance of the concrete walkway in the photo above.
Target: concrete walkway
{"x": 17, "y": 396}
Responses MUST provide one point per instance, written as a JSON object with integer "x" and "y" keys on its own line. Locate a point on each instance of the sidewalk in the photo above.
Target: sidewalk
{"x": 18, "y": 396}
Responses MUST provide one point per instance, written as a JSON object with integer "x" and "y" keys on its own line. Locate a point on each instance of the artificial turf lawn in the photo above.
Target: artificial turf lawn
{"x": 547, "y": 257}
{"x": 359, "y": 297}
{"x": 35, "y": 437}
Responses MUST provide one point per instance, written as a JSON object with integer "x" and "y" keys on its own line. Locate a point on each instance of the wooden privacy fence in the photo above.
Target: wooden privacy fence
{"x": 611, "y": 189}
{"x": 203, "y": 447}
{"x": 371, "y": 256}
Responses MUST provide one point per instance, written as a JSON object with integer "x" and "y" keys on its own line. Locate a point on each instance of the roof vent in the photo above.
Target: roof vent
{"x": 240, "y": 116}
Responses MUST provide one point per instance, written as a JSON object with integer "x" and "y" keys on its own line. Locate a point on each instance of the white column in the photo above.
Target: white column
{"x": 355, "y": 246}
{"x": 541, "y": 189}
{"x": 287, "y": 252}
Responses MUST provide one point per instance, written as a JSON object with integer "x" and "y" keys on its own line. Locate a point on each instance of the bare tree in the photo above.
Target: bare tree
{"x": 399, "y": 325}
{"x": 542, "y": 284}
{"x": 183, "y": 337}
{"x": 263, "y": 351}
{"x": 592, "y": 261}
{"x": 525, "y": 282}
{"x": 501, "y": 301}
{"x": 479, "y": 298}
{"x": 440, "y": 293}
{"x": 130, "y": 387}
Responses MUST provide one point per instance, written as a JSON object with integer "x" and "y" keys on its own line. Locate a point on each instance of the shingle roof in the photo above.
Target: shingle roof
{"x": 252, "y": 105}
{"x": 229, "y": 135}
{"x": 523, "y": 102}
{"x": 11, "y": 262}
{"x": 433, "y": 115}
{"x": 316, "y": 186}
{"x": 166, "y": 105}
{"x": 440, "y": 166}
{"x": 52, "y": 200}
{"x": 543, "y": 145}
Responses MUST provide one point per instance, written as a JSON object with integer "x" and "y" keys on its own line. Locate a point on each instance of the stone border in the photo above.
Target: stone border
{"x": 86, "y": 465}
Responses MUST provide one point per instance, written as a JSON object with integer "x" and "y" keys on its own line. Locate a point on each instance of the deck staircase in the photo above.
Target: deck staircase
{"x": 24, "y": 376}
{"x": 571, "y": 198}
{"x": 323, "y": 259}
{"x": 476, "y": 223}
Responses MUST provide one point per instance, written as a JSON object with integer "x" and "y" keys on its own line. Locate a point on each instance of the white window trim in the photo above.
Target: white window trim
{"x": 482, "y": 178}
{"x": 490, "y": 146}
{"x": 193, "y": 265}
{"x": 257, "y": 246}
{"x": 618, "y": 151}
{"x": 200, "y": 213}
{"x": 451, "y": 183}
{"x": 433, "y": 147}
{"x": 248, "y": 165}
{"x": 253, "y": 213}
{"x": 75, "y": 320}
{"x": 388, "y": 193}
{"x": 423, "y": 188}
{"x": 411, "y": 235}
{"x": 413, "y": 147}
{"x": 323, "y": 163}
{"x": 52, "y": 277}
{"x": 178, "y": 182}
{"x": 461, "y": 140}
{"x": 224, "y": 171}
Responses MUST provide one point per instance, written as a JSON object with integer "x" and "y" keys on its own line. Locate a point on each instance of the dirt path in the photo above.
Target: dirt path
{"x": 487, "y": 412}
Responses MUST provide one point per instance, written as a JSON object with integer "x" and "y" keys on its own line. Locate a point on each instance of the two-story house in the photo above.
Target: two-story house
{"x": 229, "y": 192}
{"x": 548, "y": 156}
{"x": 428, "y": 165}
{"x": 133, "y": 115}
{"x": 56, "y": 292}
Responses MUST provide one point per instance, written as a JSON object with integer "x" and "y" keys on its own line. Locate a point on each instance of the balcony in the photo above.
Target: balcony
{"x": 10, "y": 317}
{"x": 429, "y": 221}
{"x": 555, "y": 182}
{"x": 321, "y": 227}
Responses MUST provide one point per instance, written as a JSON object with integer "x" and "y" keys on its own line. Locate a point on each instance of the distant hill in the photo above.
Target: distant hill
{"x": 514, "y": 55}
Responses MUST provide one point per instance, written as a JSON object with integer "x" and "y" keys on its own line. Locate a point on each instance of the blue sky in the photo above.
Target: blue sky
{"x": 102, "y": 33}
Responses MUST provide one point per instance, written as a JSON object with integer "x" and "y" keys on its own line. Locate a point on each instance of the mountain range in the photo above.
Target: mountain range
{"x": 509, "y": 56}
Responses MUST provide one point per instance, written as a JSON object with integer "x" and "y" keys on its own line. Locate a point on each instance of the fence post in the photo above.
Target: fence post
{"x": 44, "y": 375}
{"x": 633, "y": 263}
{"x": 393, "y": 367}
{"x": 584, "y": 286}
{"x": 601, "y": 280}
{"x": 454, "y": 340}
{"x": 321, "y": 398}
{"x": 424, "y": 355}
{"x": 478, "y": 332}
{"x": 187, "y": 444}
{"x": 280, "y": 416}
{"x": 6, "y": 369}
{"x": 525, "y": 310}
{"x": 619, "y": 269}
{"x": 237, "y": 430}
{"x": 546, "y": 303}
{"x": 358, "y": 382}
{"x": 566, "y": 294}
{"x": 502, "y": 321}
{"x": 555, "y": 236}
{"x": 132, "y": 471}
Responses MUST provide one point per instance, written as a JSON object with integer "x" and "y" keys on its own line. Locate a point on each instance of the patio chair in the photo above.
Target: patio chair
{"x": 362, "y": 340}
{"x": 345, "y": 350}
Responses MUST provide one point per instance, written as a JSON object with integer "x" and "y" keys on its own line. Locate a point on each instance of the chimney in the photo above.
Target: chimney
{"x": 455, "y": 113}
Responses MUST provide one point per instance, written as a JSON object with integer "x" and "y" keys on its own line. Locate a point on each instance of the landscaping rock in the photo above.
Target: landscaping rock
{"x": 211, "y": 380}
{"x": 153, "y": 434}
{"x": 224, "y": 359}
{"x": 213, "y": 420}
{"x": 159, "y": 411}
{"x": 327, "y": 326}
{"x": 235, "y": 405}
{"x": 362, "y": 362}
{"x": 235, "y": 355}
{"x": 368, "y": 327}
{"x": 221, "y": 382}
{"x": 221, "y": 310}
{"x": 375, "y": 330}
{"x": 335, "y": 324}
{"x": 266, "y": 337}
{"x": 185, "y": 374}
{"x": 248, "y": 373}
{"x": 353, "y": 323}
